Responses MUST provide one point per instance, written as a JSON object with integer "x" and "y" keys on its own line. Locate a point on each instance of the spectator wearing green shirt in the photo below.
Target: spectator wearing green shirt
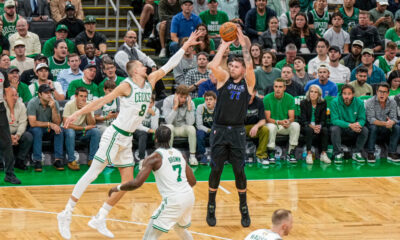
{"x": 291, "y": 53}
{"x": 109, "y": 70}
{"x": 393, "y": 34}
{"x": 386, "y": 62}
{"x": 279, "y": 111}
{"x": 350, "y": 15}
{"x": 394, "y": 83}
{"x": 213, "y": 18}
{"x": 61, "y": 33}
{"x": 348, "y": 121}
{"x": 22, "y": 88}
{"x": 89, "y": 74}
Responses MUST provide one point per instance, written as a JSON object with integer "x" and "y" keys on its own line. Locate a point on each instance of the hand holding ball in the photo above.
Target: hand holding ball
{"x": 228, "y": 31}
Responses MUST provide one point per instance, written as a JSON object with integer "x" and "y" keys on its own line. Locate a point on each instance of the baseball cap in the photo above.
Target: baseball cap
{"x": 90, "y": 19}
{"x": 383, "y": 2}
{"x": 69, "y": 6}
{"x": 19, "y": 43}
{"x": 62, "y": 27}
{"x": 40, "y": 57}
{"x": 185, "y": 1}
{"x": 12, "y": 69}
{"x": 321, "y": 66}
{"x": 209, "y": 1}
{"x": 336, "y": 48}
{"x": 367, "y": 50}
{"x": 90, "y": 66}
{"x": 44, "y": 88}
{"x": 9, "y": 3}
{"x": 359, "y": 43}
{"x": 41, "y": 65}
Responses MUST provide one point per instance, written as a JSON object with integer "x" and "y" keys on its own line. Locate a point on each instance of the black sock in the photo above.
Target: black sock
{"x": 211, "y": 197}
{"x": 243, "y": 198}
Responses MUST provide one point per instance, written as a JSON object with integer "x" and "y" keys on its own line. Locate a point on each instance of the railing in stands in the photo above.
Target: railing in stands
{"x": 129, "y": 18}
{"x": 116, "y": 12}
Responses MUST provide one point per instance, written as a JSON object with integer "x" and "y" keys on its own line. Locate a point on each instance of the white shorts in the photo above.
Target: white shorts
{"x": 176, "y": 209}
{"x": 115, "y": 148}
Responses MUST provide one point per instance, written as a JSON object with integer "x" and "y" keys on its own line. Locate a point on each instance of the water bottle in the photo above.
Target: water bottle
{"x": 304, "y": 152}
{"x": 278, "y": 153}
{"x": 377, "y": 152}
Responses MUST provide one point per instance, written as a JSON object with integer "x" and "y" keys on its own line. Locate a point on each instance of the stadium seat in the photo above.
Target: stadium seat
{"x": 45, "y": 30}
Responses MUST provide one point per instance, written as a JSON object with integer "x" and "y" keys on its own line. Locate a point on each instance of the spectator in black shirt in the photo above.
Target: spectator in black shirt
{"x": 366, "y": 33}
{"x": 74, "y": 24}
{"x": 255, "y": 127}
{"x": 353, "y": 59}
{"x": 90, "y": 58}
{"x": 300, "y": 30}
{"x": 28, "y": 76}
{"x": 4, "y": 43}
{"x": 293, "y": 88}
{"x": 365, "y": 5}
{"x": 91, "y": 36}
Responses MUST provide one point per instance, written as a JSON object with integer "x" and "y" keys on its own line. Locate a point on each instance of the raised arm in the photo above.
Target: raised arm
{"x": 249, "y": 76}
{"x": 220, "y": 74}
{"x": 123, "y": 89}
{"x": 174, "y": 60}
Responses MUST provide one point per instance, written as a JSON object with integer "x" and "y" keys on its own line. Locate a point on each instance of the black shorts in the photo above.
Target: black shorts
{"x": 228, "y": 144}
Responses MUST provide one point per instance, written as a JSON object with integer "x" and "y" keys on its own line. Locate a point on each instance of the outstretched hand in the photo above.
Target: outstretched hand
{"x": 193, "y": 39}
{"x": 240, "y": 37}
{"x": 70, "y": 120}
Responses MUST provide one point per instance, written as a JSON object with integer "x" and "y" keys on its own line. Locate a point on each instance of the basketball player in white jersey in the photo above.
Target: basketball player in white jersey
{"x": 116, "y": 142}
{"x": 174, "y": 180}
{"x": 282, "y": 223}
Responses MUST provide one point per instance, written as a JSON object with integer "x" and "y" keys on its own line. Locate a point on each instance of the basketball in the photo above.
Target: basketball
{"x": 228, "y": 31}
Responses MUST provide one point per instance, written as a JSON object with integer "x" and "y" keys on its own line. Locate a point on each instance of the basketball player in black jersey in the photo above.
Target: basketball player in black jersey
{"x": 228, "y": 135}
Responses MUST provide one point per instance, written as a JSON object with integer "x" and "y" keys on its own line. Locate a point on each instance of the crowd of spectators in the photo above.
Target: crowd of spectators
{"x": 324, "y": 70}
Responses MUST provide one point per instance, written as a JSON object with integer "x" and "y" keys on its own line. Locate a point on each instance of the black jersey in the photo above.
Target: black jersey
{"x": 233, "y": 99}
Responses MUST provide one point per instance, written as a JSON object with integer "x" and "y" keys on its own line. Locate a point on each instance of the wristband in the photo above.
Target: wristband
{"x": 84, "y": 131}
{"x": 48, "y": 126}
{"x": 119, "y": 188}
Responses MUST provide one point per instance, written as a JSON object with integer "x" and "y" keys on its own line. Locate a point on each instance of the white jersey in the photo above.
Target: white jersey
{"x": 171, "y": 176}
{"x": 133, "y": 107}
{"x": 263, "y": 234}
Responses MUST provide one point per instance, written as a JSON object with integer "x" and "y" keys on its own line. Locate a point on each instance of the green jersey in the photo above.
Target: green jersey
{"x": 289, "y": 19}
{"x": 236, "y": 50}
{"x": 92, "y": 89}
{"x": 349, "y": 21}
{"x": 101, "y": 85}
{"x": 213, "y": 22}
{"x": 23, "y": 92}
{"x": 392, "y": 35}
{"x": 383, "y": 64}
{"x": 394, "y": 92}
{"x": 9, "y": 27}
{"x": 260, "y": 22}
{"x": 320, "y": 23}
{"x": 55, "y": 68}
{"x": 279, "y": 108}
{"x": 48, "y": 47}
{"x": 1, "y": 8}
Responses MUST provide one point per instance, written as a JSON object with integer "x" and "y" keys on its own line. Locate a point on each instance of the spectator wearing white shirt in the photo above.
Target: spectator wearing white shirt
{"x": 338, "y": 72}
{"x": 231, "y": 7}
{"x": 336, "y": 36}
{"x": 199, "y": 6}
{"x": 128, "y": 52}
{"x": 322, "y": 57}
{"x": 42, "y": 71}
{"x": 21, "y": 61}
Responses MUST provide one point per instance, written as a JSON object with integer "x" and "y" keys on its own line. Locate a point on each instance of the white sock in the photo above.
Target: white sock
{"x": 70, "y": 205}
{"x": 193, "y": 155}
{"x": 104, "y": 210}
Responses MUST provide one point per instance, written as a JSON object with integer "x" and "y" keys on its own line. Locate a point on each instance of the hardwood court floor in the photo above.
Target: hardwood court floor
{"x": 352, "y": 208}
